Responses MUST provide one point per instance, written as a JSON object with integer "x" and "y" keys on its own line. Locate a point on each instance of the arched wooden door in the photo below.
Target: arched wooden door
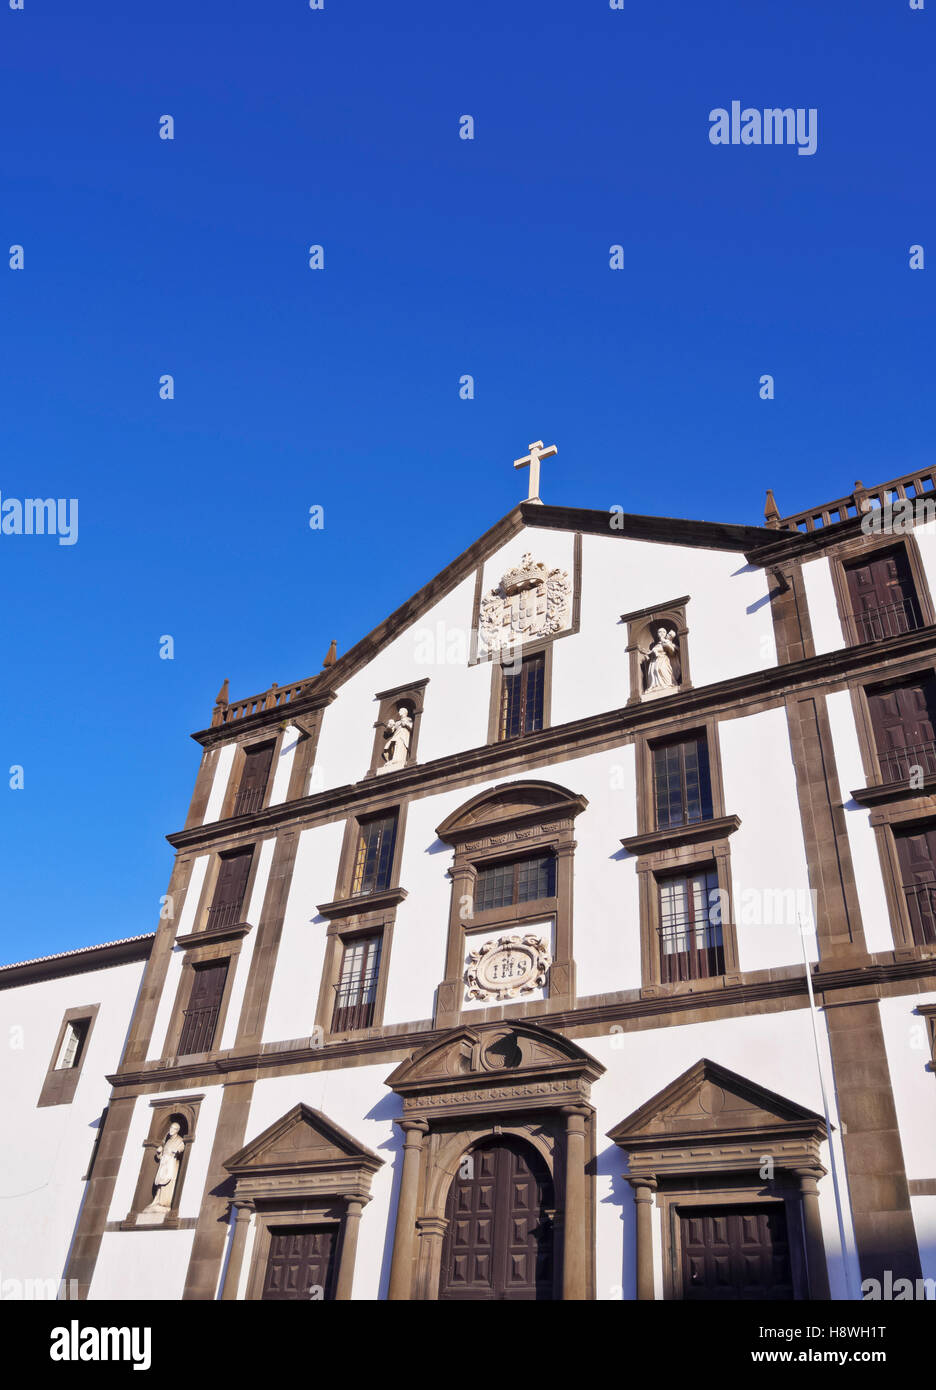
{"x": 499, "y": 1237}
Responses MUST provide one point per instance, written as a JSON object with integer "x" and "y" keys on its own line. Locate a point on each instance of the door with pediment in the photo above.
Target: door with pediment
{"x": 499, "y": 1231}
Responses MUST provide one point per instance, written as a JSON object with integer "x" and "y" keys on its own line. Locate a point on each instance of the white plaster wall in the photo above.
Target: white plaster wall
{"x": 774, "y": 1050}
{"x": 220, "y": 782}
{"x": 298, "y": 972}
{"x": 356, "y": 1099}
{"x": 48, "y": 1150}
{"x": 146, "y": 1267}
{"x": 926, "y": 540}
{"x": 284, "y": 762}
{"x": 906, "y": 1043}
{"x": 862, "y": 843}
{"x": 174, "y": 969}
{"x": 823, "y": 609}
{"x": 245, "y": 955}
{"x": 770, "y": 879}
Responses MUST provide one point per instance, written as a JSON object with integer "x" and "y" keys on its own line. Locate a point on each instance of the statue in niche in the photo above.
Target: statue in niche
{"x": 661, "y": 671}
{"x": 168, "y": 1156}
{"x": 398, "y": 734}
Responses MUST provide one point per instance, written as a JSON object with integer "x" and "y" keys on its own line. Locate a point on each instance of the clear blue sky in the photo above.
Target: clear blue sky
{"x": 340, "y": 387}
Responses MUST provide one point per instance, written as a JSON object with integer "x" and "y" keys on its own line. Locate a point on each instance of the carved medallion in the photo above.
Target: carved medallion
{"x": 530, "y": 601}
{"x": 507, "y": 967}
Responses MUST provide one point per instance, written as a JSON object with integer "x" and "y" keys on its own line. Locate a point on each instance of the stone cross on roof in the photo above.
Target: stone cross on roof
{"x": 532, "y": 461}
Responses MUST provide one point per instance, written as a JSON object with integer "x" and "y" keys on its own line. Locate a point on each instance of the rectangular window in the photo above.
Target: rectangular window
{"x": 515, "y": 881}
{"x": 204, "y": 1006}
{"x": 76, "y": 1031}
{"x": 522, "y": 698}
{"x": 916, "y": 853}
{"x": 690, "y": 928}
{"x": 356, "y": 994}
{"x": 682, "y": 785}
{"x": 254, "y": 778}
{"x": 373, "y": 859}
{"x": 882, "y": 595}
{"x": 228, "y": 900}
{"x": 904, "y": 718}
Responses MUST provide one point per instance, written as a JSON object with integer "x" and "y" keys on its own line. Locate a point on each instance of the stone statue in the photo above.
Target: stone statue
{"x": 168, "y": 1157}
{"x": 398, "y": 733}
{"x": 660, "y": 660}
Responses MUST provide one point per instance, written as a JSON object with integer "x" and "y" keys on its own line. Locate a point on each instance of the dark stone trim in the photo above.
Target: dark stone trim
{"x": 893, "y": 791}
{"x": 61, "y": 1083}
{"x": 98, "y": 1194}
{"x": 654, "y": 608}
{"x": 210, "y": 936}
{"x": 363, "y": 903}
{"x": 211, "y": 1232}
{"x": 677, "y": 835}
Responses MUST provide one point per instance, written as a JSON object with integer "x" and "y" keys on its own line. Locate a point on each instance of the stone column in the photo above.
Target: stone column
{"x": 574, "y": 1225}
{"x": 352, "y": 1224}
{"x": 243, "y": 1211}
{"x": 401, "y": 1268}
{"x": 816, "y": 1267}
{"x": 644, "y": 1186}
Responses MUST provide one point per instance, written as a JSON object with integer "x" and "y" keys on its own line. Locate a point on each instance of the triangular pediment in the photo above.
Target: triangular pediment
{"x": 302, "y": 1138}
{"x": 495, "y": 1052}
{"x": 708, "y": 1100}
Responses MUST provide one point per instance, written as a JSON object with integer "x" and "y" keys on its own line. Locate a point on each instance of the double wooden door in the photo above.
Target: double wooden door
{"x": 882, "y": 595}
{"x": 301, "y": 1263}
{"x": 499, "y": 1235}
{"x": 904, "y": 720}
{"x": 738, "y": 1252}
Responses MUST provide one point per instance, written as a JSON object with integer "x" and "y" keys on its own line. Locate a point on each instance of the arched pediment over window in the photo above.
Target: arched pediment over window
{"x": 511, "y": 806}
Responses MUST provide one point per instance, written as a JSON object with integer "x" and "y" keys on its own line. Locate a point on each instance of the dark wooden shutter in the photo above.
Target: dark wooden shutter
{"x": 301, "y": 1264}
{"x": 228, "y": 898}
{"x": 201, "y": 1016}
{"x": 499, "y": 1237}
{"x": 882, "y": 595}
{"x": 904, "y": 718}
{"x": 254, "y": 778}
{"x": 916, "y": 851}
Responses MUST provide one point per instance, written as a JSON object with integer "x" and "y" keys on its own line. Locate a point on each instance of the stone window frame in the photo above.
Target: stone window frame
{"x": 862, "y": 547}
{"x": 549, "y": 826}
{"x": 60, "y": 1083}
{"x": 164, "y": 1110}
{"x": 413, "y": 694}
{"x": 378, "y": 805}
{"x": 254, "y": 739}
{"x": 224, "y": 945}
{"x": 859, "y": 689}
{"x": 677, "y": 731}
{"x": 886, "y": 821}
{"x": 340, "y": 932}
{"x": 534, "y": 647}
{"x": 673, "y": 611}
{"x": 209, "y": 884}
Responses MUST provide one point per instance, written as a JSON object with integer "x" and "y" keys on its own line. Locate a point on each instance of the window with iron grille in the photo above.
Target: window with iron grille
{"x": 373, "y": 858}
{"x": 515, "y": 881}
{"x": 204, "y": 1007}
{"x": 254, "y": 778}
{"x": 228, "y": 900}
{"x": 882, "y": 595}
{"x": 356, "y": 991}
{"x": 76, "y": 1031}
{"x": 691, "y": 946}
{"x": 522, "y": 697}
{"x": 682, "y": 785}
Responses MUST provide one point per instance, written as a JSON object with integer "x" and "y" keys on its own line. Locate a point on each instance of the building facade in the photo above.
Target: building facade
{"x": 483, "y": 968}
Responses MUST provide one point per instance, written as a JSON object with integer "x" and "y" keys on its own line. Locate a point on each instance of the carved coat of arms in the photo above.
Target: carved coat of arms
{"x": 530, "y": 601}
{"x": 507, "y": 967}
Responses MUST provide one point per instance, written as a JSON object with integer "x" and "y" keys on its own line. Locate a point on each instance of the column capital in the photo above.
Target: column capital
{"x": 431, "y": 1225}
{"x": 409, "y": 1126}
{"x": 639, "y": 1180}
{"x": 243, "y": 1207}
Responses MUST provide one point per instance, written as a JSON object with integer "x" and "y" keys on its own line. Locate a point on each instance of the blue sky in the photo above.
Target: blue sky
{"x": 341, "y": 387}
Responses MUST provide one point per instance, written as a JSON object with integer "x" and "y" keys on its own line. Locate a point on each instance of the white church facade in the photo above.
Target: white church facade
{"x": 482, "y": 971}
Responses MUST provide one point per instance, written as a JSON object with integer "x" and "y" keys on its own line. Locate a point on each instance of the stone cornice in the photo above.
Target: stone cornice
{"x": 884, "y": 792}
{"x": 653, "y": 840}
{"x": 864, "y": 980}
{"x": 212, "y": 934}
{"x": 363, "y": 904}
{"x": 477, "y": 764}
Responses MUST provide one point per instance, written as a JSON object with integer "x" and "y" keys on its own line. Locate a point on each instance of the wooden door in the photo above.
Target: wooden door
{"x": 204, "y": 1006}
{"x": 916, "y": 851}
{"x": 301, "y": 1263}
{"x": 735, "y": 1252}
{"x": 883, "y": 598}
{"x": 499, "y": 1238}
{"x": 904, "y": 719}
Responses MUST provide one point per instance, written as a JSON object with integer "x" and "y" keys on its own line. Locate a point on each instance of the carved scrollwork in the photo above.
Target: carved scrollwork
{"x": 507, "y": 967}
{"x": 530, "y": 601}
